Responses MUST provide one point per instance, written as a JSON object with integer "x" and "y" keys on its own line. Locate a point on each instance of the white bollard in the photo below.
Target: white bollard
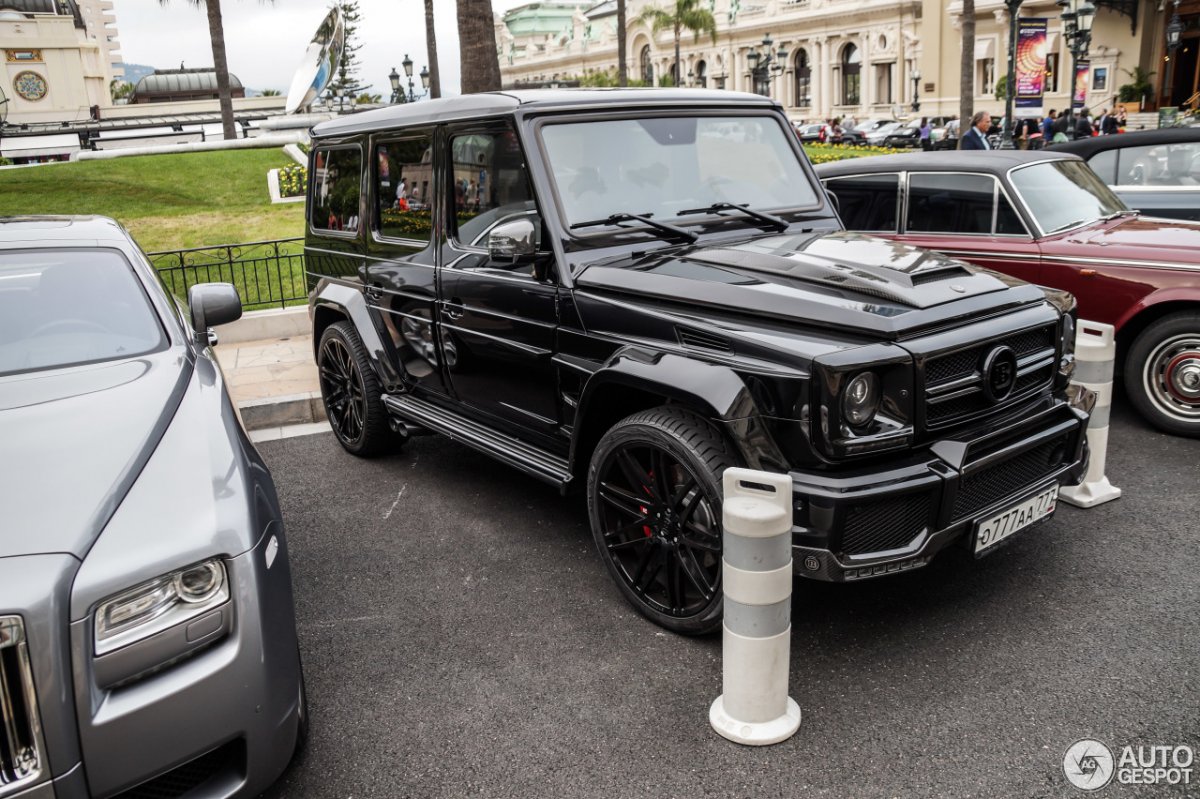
{"x": 1095, "y": 356}
{"x": 756, "y": 577}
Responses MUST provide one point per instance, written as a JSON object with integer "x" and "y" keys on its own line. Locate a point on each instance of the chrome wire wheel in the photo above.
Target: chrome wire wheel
{"x": 342, "y": 389}
{"x": 1171, "y": 376}
{"x": 660, "y": 529}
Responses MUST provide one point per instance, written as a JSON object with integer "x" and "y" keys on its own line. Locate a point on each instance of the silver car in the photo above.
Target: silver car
{"x": 147, "y": 634}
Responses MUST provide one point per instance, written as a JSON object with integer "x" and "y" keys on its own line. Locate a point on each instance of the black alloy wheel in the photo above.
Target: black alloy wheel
{"x": 654, "y": 499}
{"x": 351, "y": 393}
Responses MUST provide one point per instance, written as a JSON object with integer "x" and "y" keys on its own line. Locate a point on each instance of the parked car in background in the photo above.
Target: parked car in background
{"x": 1155, "y": 171}
{"x": 877, "y": 136}
{"x": 1047, "y": 218}
{"x": 816, "y": 133}
{"x": 906, "y": 135}
{"x": 945, "y": 137}
{"x": 632, "y": 338}
{"x": 147, "y": 639}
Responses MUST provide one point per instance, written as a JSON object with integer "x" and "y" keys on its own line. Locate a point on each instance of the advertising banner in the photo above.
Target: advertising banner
{"x": 1031, "y": 61}
{"x": 1082, "y": 71}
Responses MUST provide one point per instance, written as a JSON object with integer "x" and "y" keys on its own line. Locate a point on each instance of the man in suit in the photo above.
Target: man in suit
{"x": 976, "y": 137}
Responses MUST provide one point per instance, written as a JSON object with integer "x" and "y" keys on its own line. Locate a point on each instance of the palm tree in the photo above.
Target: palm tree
{"x": 435, "y": 82}
{"x": 622, "y": 68}
{"x": 477, "y": 47}
{"x": 687, "y": 14}
{"x": 966, "y": 77}
{"x": 216, "y": 33}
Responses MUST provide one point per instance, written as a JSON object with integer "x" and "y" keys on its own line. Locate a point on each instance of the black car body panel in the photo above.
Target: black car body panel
{"x": 757, "y": 330}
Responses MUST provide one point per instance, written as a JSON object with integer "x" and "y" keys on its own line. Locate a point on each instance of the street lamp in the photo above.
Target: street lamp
{"x": 764, "y": 67}
{"x": 1174, "y": 32}
{"x": 916, "y": 79}
{"x": 1077, "y": 18}
{"x": 1010, "y": 88}
{"x": 407, "y": 63}
{"x": 394, "y": 79}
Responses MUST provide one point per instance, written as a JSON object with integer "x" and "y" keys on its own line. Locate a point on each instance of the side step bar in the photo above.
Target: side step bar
{"x": 532, "y": 460}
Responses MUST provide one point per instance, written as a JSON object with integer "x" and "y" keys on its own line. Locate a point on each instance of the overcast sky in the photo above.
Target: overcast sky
{"x": 265, "y": 41}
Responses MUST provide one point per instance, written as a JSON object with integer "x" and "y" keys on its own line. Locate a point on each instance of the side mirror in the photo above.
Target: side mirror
{"x": 213, "y": 304}
{"x": 513, "y": 242}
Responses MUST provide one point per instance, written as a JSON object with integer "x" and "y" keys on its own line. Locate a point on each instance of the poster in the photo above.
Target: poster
{"x": 1031, "y": 61}
{"x": 1082, "y": 70}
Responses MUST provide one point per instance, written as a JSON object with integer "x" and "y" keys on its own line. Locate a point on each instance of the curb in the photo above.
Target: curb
{"x": 271, "y": 323}
{"x": 290, "y": 409}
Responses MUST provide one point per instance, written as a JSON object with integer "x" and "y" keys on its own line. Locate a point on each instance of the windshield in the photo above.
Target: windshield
{"x": 66, "y": 307}
{"x": 1064, "y": 194}
{"x": 664, "y": 166}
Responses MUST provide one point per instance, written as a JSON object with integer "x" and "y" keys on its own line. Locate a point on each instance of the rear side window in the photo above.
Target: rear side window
{"x": 336, "y": 187}
{"x": 1158, "y": 165}
{"x": 955, "y": 203}
{"x": 403, "y": 179}
{"x": 867, "y": 202}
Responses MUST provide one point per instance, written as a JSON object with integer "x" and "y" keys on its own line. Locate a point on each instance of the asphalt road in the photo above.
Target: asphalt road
{"x": 461, "y": 638}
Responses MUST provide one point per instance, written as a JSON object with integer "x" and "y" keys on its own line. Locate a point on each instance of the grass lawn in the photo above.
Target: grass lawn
{"x": 167, "y": 201}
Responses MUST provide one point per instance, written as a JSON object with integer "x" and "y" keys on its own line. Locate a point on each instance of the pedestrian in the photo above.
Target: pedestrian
{"x": 976, "y": 137}
{"x": 1083, "y": 126}
{"x": 1060, "y": 127}
{"x": 1048, "y": 125}
{"x": 1122, "y": 119}
{"x": 925, "y": 132}
{"x": 1110, "y": 125}
{"x": 835, "y": 131}
{"x": 1102, "y": 122}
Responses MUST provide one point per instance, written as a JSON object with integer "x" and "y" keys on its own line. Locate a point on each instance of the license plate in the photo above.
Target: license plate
{"x": 993, "y": 530}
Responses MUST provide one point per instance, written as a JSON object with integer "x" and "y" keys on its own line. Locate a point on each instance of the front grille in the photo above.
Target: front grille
{"x": 954, "y": 380}
{"x": 184, "y": 779}
{"x": 885, "y": 525}
{"x": 20, "y": 752}
{"x": 1009, "y": 477}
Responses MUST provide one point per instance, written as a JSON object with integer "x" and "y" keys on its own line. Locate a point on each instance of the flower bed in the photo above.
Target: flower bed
{"x": 293, "y": 181}
{"x": 824, "y": 153}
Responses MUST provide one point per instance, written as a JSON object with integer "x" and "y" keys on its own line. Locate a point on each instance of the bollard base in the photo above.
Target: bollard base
{"x": 1089, "y": 494}
{"x": 762, "y": 733}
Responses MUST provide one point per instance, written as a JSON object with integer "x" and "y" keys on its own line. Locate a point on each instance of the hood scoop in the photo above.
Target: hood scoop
{"x": 886, "y": 270}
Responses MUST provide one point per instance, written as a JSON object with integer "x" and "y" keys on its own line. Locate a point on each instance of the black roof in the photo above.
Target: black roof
{"x": 996, "y": 162}
{"x": 472, "y": 106}
{"x": 1137, "y": 138}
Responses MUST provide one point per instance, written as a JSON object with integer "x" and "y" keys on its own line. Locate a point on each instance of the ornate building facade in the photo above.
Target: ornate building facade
{"x": 833, "y": 58}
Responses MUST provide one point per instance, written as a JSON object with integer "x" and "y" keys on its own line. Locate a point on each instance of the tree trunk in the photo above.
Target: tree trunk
{"x": 435, "y": 81}
{"x": 216, "y": 32}
{"x": 675, "y": 79}
{"x": 480, "y": 66}
{"x": 966, "y": 77}
{"x": 622, "y": 67}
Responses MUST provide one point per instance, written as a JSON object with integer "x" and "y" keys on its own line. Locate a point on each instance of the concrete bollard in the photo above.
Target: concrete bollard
{"x": 1095, "y": 356}
{"x": 756, "y": 577}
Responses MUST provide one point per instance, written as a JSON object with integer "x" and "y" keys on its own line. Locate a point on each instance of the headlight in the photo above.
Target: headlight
{"x": 861, "y": 399}
{"x": 160, "y": 603}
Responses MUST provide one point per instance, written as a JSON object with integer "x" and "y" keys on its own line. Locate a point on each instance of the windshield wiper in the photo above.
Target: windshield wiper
{"x": 1116, "y": 214}
{"x": 645, "y": 219}
{"x": 1076, "y": 223}
{"x": 769, "y": 220}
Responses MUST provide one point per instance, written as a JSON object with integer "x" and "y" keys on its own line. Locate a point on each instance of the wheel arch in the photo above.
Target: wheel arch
{"x": 335, "y": 302}
{"x": 636, "y": 380}
{"x": 1148, "y": 311}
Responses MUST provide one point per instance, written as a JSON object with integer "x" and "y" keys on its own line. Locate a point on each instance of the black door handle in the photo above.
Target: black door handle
{"x": 454, "y": 309}
{"x": 374, "y": 293}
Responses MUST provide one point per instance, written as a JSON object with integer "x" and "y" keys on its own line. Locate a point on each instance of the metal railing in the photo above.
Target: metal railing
{"x": 267, "y": 274}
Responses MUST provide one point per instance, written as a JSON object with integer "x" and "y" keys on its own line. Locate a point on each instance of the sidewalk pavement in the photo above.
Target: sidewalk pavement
{"x": 273, "y": 382}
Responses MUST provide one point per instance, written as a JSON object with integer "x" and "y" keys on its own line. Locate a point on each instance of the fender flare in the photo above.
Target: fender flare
{"x": 716, "y": 391}
{"x": 1158, "y": 297}
{"x": 350, "y": 302}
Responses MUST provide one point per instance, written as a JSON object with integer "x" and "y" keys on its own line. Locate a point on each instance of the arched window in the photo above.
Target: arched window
{"x": 701, "y": 74}
{"x": 803, "y": 79}
{"x": 647, "y": 67}
{"x": 851, "y": 75}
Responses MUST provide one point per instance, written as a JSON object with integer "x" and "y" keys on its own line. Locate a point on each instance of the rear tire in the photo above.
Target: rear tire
{"x": 654, "y": 502}
{"x": 352, "y": 394}
{"x": 1162, "y": 374}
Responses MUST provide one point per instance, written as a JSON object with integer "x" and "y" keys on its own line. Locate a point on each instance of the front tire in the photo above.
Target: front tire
{"x": 654, "y": 501}
{"x": 351, "y": 393}
{"x": 1162, "y": 374}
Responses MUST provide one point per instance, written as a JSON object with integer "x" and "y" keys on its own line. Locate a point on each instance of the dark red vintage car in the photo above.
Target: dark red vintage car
{"x": 1047, "y": 218}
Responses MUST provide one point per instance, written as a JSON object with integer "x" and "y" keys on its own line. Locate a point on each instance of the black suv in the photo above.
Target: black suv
{"x": 628, "y": 291}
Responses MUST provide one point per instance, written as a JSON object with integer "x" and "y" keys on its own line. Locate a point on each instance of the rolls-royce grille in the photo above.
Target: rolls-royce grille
{"x": 881, "y": 526}
{"x": 954, "y": 381}
{"x": 20, "y": 756}
{"x": 1008, "y": 477}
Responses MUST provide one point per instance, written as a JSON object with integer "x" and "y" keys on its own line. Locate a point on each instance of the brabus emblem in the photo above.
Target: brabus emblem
{"x": 999, "y": 373}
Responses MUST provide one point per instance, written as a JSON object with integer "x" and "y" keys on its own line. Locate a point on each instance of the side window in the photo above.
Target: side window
{"x": 1105, "y": 165}
{"x": 955, "y": 203}
{"x": 1160, "y": 165}
{"x": 1008, "y": 221}
{"x": 867, "y": 202}
{"x": 337, "y": 184}
{"x": 489, "y": 185}
{"x": 403, "y": 177}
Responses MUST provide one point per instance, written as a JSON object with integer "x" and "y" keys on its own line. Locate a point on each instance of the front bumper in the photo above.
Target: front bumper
{"x": 871, "y": 523}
